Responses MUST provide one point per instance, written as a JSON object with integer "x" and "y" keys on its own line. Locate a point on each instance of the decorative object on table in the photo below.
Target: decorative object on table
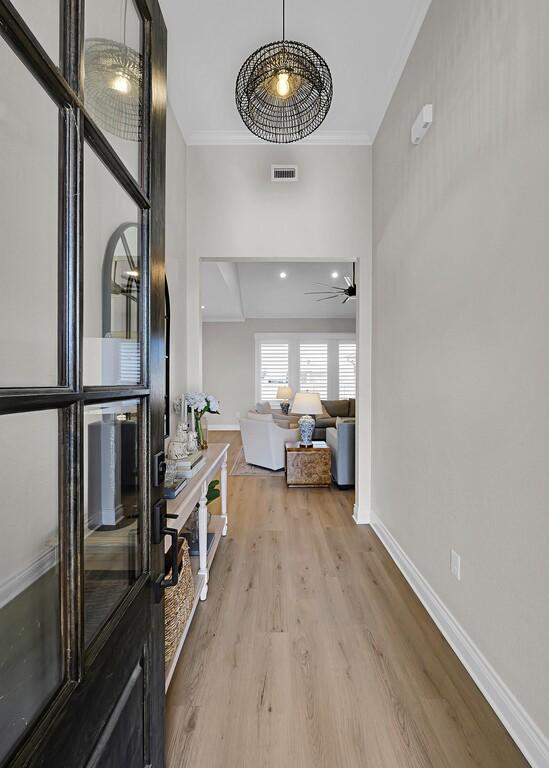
{"x": 178, "y": 602}
{"x": 307, "y": 404}
{"x": 283, "y": 90}
{"x": 308, "y": 465}
{"x": 178, "y": 447}
{"x": 200, "y": 403}
{"x": 190, "y": 465}
{"x": 241, "y": 468}
{"x": 191, "y": 529}
{"x": 337, "y": 292}
{"x": 173, "y": 485}
{"x": 113, "y": 85}
{"x": 284, "y": 394}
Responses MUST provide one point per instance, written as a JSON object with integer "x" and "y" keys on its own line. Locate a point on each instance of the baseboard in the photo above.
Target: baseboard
{"x": 361, "y": 516}
{"x": 27, "y": 575}
{"x": 223, "y": 427}
{"x": 524, "y": 731}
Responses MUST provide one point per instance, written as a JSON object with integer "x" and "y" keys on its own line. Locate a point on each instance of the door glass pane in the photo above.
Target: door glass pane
{"x": 28, "y": 219}
{"x": 31, "y": 657}
{"x": 112, "y": 264}
{"x": 113, "y": 75}
{"x": 112, "y": 530}
{"x": 42, "y": 18}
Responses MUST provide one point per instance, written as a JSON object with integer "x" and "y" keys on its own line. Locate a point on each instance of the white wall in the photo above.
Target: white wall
{"x": 176, "y": 255}
{"x": 235, "y": 212}
{"x": 461, "y": 312}
{"x": 229, "y": 359}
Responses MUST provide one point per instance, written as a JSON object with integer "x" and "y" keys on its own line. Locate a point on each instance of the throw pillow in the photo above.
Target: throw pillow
{"x": 263, "y": 407}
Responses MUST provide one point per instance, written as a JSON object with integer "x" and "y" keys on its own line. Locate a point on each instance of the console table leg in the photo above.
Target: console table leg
{"x": 224, "y": 494}
{"x": 203, "y": 539}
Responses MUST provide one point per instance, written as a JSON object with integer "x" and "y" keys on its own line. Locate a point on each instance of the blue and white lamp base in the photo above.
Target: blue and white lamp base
{"x": 306, "y": 429}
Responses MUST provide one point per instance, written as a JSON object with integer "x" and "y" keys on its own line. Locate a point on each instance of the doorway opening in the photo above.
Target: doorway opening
{"x": 272, "y": 332}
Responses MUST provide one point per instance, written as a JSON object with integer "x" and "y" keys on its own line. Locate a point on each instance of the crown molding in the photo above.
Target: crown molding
{"x": 243, "y": 138}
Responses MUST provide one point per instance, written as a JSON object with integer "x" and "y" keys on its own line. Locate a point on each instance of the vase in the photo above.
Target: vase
{"x": 306, "y": 429}
{"x": 202, "y": 433}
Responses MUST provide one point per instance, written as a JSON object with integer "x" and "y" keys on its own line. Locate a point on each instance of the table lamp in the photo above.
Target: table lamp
{"x": 284, "y": 393}
{"x": 308, "y": 404}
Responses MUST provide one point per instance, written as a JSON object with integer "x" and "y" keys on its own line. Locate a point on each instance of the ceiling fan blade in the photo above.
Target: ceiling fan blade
{"x": 333, "y": 287}
{"x": 348, "y": 281}
{"x": 335, "y": 296}
{"x": 346, "y": 299}
{"x": 319, "y": 293}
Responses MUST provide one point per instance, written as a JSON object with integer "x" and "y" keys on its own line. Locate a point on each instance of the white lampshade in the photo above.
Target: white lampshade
{"x": 307, "y": 403}
{"x": 284, "y": 393}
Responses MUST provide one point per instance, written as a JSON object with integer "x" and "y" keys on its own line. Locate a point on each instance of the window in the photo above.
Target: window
{"x": 347, "y": 370}
{"x": 273, "y": 369}
{"x": 306, "y": 362}
{"x": 313, "y": 369}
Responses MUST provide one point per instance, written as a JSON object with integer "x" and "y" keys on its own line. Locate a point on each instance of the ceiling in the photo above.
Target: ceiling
{"x": 365, "y": 43}
{"x": 236, "y": 291}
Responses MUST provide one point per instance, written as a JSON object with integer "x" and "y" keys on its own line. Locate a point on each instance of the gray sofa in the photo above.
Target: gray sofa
{"x": 341, "y": 440}
{"x": 333, "y": 409}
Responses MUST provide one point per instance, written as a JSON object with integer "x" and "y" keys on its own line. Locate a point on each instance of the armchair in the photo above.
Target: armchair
{"x": 264, "y": 441}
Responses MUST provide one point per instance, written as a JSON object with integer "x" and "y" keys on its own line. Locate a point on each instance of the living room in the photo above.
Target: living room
{"x": 272, "y": 331}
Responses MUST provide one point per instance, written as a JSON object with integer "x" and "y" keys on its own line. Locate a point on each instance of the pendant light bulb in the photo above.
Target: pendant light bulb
{"x": 121, "y": 84}
{"x": 283, "y": 84}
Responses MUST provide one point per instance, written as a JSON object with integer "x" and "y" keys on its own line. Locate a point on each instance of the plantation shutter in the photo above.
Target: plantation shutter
{"x": 313, "y": 369}
{"x": 347, "y": 370}
{"x": 274, "y": 368}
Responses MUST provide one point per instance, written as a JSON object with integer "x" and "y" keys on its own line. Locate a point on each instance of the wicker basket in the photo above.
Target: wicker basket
{"x": 178, "y": 602}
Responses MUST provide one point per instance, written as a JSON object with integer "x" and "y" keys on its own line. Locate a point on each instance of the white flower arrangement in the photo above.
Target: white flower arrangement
{"x": 202, "y": 403}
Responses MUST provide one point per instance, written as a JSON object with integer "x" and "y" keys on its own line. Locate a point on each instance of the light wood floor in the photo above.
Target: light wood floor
{"x": 312, "y": 651}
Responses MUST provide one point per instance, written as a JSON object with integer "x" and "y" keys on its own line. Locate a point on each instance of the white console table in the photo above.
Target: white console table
{"x": 195, "y": 493}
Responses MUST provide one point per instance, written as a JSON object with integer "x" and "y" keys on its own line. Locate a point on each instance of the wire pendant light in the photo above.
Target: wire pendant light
{"x": 113, "y": 85}
{"x": 283, "y": 90}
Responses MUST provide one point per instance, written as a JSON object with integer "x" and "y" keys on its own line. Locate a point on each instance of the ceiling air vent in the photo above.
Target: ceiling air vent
{"x": 283, "y": 172}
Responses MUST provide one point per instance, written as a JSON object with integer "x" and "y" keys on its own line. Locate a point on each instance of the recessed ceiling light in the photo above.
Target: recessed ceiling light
{"x": 335, "y": 274}
{"x": 202, "y": 306}
{"x": 283, "y": 275}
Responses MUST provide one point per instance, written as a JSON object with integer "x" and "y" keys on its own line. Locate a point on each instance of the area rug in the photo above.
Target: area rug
{"x": 241, "y": 467}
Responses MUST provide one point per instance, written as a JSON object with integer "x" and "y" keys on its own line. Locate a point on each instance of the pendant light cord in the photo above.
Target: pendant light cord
{"x": 283, "y": 20}
{"x": 125, "y": 19}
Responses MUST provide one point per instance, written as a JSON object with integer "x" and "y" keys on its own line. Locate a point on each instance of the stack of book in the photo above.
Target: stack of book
{"x": 173, "y": 489}
{"x": 190, "y": 465}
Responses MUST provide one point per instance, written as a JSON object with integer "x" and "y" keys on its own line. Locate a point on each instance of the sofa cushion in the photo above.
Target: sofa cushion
{"x": 322, "y": 422}
{"x": 344, "y": 420}
{"x": 336, "y": 407}
{"x": 263, "y": 407}
{"x": 352, "y": 407}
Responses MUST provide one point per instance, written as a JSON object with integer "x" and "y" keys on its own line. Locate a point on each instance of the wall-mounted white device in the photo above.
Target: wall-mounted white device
{"x": 422, "y": 124}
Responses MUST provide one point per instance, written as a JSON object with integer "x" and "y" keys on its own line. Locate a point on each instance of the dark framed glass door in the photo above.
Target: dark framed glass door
{"x": 82, "y": 158}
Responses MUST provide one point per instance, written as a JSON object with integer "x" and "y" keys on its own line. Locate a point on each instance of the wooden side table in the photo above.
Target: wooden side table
{"x": 308, "y": 467}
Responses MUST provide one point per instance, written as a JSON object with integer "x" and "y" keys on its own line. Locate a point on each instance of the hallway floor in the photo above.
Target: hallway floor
{"x": 312, "y": 651}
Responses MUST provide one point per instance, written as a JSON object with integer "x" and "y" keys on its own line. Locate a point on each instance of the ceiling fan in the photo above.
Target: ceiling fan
{"x": 336, "y": 292}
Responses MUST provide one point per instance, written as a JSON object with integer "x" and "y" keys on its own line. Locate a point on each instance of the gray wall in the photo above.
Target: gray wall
{"x": 461, "y": 312}
{"x": 229, "y": 359}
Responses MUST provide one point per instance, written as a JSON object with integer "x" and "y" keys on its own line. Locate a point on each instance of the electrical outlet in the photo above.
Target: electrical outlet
{"x": 455, "y": 565}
